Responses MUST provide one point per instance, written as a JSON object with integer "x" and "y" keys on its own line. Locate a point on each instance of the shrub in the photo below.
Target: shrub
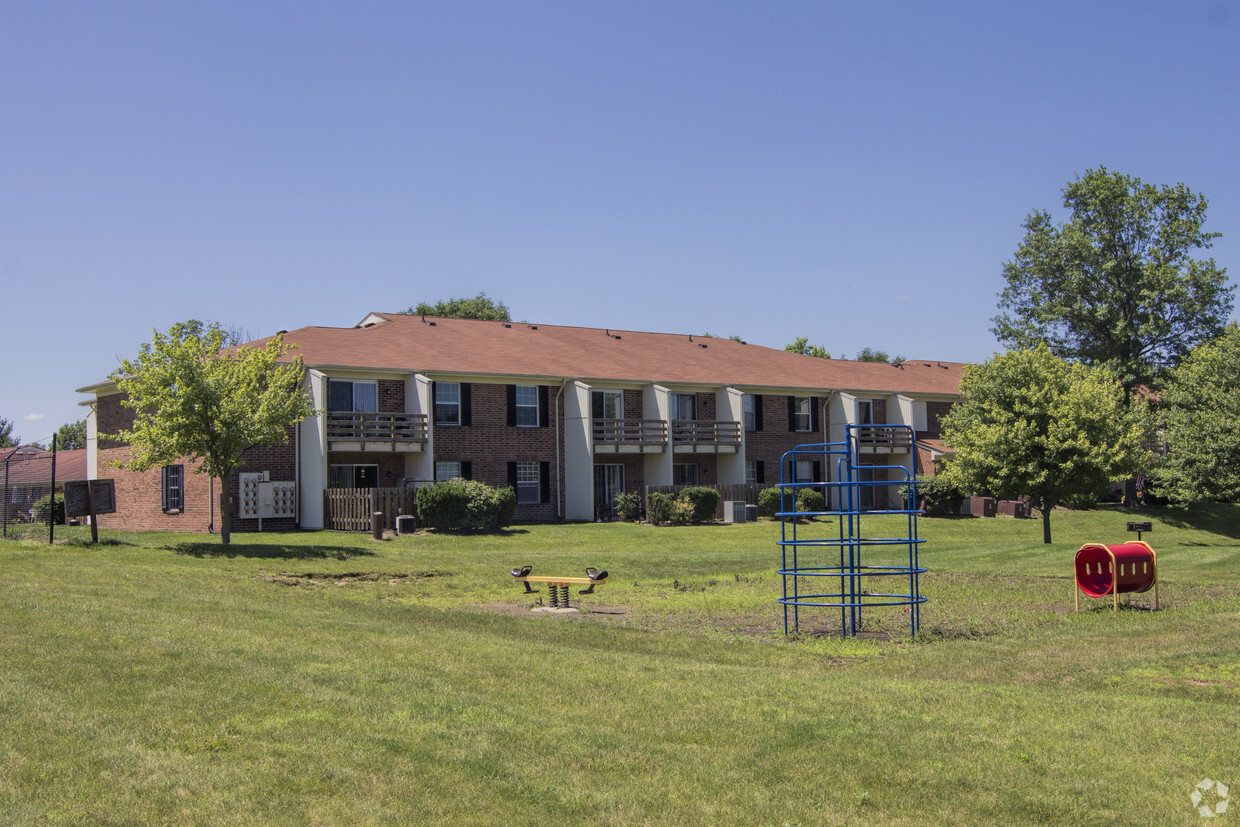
{"x": 465, "y": 505}
{"x": 682, "y": 511}
{"x": 659, "y": 508}
{"x": 704, "y": 501}
{"x": 768, "y": 502}
{"x": 627, "y": 505}
{"x": 939, "y": 495}
{"x": 43, "y": 504}
{"x": 811, "y": 499}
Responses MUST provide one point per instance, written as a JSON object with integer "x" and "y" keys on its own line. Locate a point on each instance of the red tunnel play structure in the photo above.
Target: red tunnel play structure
{"x": 1128, "y": 568}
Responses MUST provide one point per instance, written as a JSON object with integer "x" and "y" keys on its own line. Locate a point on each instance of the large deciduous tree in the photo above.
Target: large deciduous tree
{"x": 802, "y": 346}
{"x": 1121, "y": 283}
{"x": 1032, "y": 424}
{"x": 7, "y": 440}
{"x": 194, "y": 398}
{"x": 481, "y": 307}
{"x": 1198, "y": 410}
{"x": 71, "y": 436}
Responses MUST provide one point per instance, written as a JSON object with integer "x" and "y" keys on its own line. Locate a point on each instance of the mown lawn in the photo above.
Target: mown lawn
{"x": 326, "y": 678}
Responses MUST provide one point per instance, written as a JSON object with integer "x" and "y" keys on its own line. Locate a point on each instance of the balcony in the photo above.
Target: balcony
{"x": 696, "y": 436}
{"x": 630, "y": 436}
{"x": 883, "y": 439}
{"x": 358, "y": 431}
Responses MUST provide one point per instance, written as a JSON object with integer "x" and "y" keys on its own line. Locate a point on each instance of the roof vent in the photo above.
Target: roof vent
{"x": 424, "y": 321}
{"x": 506, "y": 324}
{"x": 532, "y": 326}
{"x": 281, "y": 332}
{"x": 612, "y": 335}
{"x": 701, "y": 344}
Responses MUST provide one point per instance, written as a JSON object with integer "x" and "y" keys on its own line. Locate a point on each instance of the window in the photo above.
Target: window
{"x": 806, "y": 471}
{"x": 172, "y": 484}
{"x": 345, "y": 397}
{"x": 685, "y": 473}
{"x": 751, "y": 471}
{"x": 865, "y": 412}
{"x": 446, "y": 470}
{"x": 607, "y": 404}
{"x": 802, "y": 413}
{"x": 684, "y": 406}
{"x": 749, "y": 408}
{"x": 528, "y": 483}
{"x": 526, "y": 406}
{"x": 447, "y": 403}
{"x": 352, "y": 476}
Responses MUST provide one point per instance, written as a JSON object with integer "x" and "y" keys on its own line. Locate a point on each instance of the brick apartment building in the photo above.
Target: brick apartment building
{"x": 566, "y": 415}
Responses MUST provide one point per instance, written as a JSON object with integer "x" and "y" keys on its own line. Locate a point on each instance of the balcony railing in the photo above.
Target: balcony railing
{"x": 630, "y": 432}
{"x": 705, "y": 432}
{"x": 884, "y": 437}
{"x": 376, "y": 427}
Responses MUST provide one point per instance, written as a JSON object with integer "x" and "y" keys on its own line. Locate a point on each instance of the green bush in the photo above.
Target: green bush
{"x": 811, "y": 499}
{"x": 704, "y": 501}
{"x": 768, "y": 502}
{"x": 938, "y": 495}
{"x": 43, "y": 504}
{"x": 465, "y": 505}
{"x": 682, "y": 511}
{"x": 659, "y": 508}
{"x": 627, "y": 505}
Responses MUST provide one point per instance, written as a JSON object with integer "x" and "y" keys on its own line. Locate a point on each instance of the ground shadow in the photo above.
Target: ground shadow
{"x": 271, "y": 551}
{"x": 1216, "y": 518}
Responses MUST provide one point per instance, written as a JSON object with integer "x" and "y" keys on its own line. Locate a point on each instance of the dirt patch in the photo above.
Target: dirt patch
{"x": 312, "y": 578}
{"x": 594, "y": 612}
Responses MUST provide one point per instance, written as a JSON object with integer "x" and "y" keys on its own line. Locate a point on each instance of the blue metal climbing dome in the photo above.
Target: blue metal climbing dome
{"x": 829, "y": 562}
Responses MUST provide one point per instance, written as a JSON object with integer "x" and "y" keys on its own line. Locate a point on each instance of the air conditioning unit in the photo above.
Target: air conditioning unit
{"x": 734, "y": 511}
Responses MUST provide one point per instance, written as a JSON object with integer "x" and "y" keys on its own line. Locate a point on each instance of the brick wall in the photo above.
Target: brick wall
{"x": 391, "y": 396}
{"x": 489, "y": 443}
{"x": 935, "y": 413}
{"x": 879, "y": 409}
{"x": 775, "y": 439}
{"x": 110, "y": 417}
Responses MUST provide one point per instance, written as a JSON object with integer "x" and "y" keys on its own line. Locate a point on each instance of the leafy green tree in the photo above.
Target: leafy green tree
{"x": 480, "y": 307}
{"x": 1121, "y": 283}
{"x": 71, "y": 436}
{"x": 870, "y": 355}
{"x": 7, "y": 440}
{"x": 1197, "y": 412}
{"x": 1031, "y": 424}
{"x": 194, "y": 398}
{"x": 803, "y": 347}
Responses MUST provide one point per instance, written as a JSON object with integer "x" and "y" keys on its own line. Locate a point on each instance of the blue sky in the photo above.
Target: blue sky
{"x": 852, "y": 172}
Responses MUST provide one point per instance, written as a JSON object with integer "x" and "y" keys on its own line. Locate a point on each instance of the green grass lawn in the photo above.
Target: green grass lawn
{"x": 326, "y": 678}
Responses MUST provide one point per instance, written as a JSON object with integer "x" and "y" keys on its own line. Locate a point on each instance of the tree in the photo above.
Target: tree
{"x": 1197, "y": 412}
{"x": 870, "y": 355}
{"x": 71, "y": 436}
{"x": 480, "y": 306}
{"x": 1117, "y": 285}
{"x": 1031, "y": 424}
{"x": 7, "y": 440}
{"x": 803, "y": 347}
{"x": 194, "y": 398}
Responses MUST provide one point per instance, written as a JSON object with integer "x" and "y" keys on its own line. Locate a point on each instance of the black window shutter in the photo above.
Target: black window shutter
{"x": 512, "y": 405}
{"x": 544, "y": 406}
{"x": 512, "y": 475}
{"x": 544, "y": 482}
{"x": 467, "y": 408}
{"x": 467, "y": 470}
{"x": 817, "y": 471}
{"x": 163, "y": 488}
{"x": 757, "y": 412}
{"x": 792, "y": 413}
{"x": 761, "y": 471}
{"x": 813, "y": 414}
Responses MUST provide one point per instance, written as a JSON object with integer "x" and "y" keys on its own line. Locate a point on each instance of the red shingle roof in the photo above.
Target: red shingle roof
{"x": 463, "y": 346}
{"x": 32, "y": 468}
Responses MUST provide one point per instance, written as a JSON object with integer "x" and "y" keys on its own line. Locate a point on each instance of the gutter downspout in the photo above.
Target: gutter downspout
{"x": 559, "y": 494}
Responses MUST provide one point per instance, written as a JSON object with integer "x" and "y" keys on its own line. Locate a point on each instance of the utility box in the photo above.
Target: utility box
{"x": 277, "y": 499}
{"x": 406, "y": 524}
{"x": 734, "y": 511}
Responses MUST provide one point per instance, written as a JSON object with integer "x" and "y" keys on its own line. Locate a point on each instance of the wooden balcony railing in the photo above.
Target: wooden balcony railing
{"x": 884, "y": 437}
{"x": 376, "y": 427}
{"x": 630, "y": 432}
{"x": 705, "y": 432}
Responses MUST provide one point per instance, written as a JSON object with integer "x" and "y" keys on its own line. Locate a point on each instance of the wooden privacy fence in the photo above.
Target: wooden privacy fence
{"x": 349, "y": 509}
{"x": 744, "y": 491}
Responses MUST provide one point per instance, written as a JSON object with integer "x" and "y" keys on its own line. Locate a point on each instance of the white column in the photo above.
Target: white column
{"x": 578, "y": 454}
{"x": 729, "y": 406}
{"x": 313, "y": 457}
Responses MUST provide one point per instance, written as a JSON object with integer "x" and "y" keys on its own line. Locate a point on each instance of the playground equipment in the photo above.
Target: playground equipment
{"x": 831, "y": 548}
{"x": 1128, "y": 568}
{"x": 557, "y": 587}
